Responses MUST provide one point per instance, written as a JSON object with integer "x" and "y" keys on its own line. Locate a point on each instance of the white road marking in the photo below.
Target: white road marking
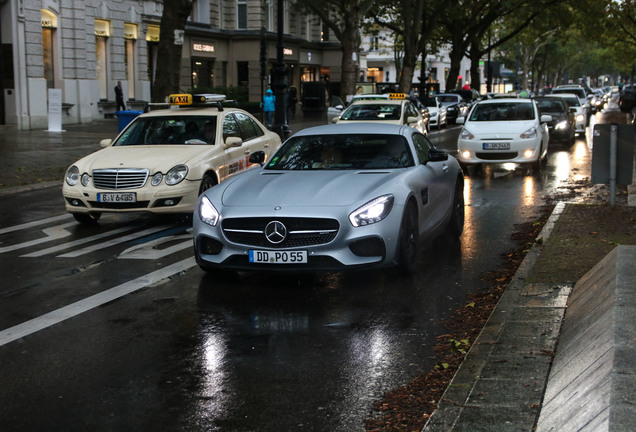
{"x": 47, "y": 320}
{"x": 150, "y": 251}
{"x": 35, "y": 223}
{"x": 53, "y": 233}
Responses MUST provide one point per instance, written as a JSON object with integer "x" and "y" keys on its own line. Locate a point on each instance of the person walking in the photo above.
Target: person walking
{"x": 119, "y": 97}
{"x": 269, "y": 106}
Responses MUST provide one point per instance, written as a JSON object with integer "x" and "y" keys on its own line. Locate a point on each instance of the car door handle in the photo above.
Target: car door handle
{"x": 445, "y": 168}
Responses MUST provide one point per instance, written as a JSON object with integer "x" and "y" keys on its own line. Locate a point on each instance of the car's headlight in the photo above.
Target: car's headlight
{"x": 561, "y": 125}
{"x": 530, "y": 133}
{"x": 86, "y": 179}
{"x": 72, "y": 176}
{"x": 579, "y": 117}
{"x": 176, "y": 174}
{"x": 465, "y": 134}
{"x": 372, "y": 212}
{"x": 156, "y": 179}
{"x": 208, "y": 213}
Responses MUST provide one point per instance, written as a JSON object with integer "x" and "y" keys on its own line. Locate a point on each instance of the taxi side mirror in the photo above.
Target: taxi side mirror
{"x": 412, "y": 119}
{"x": 233, "y": 142}
{"x": 257, "y": 157}
{"x": 105, "y": 143}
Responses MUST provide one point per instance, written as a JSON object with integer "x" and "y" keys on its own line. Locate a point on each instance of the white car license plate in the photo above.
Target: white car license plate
{"x": 110, "y": 197}
{"x": 497, "y": 146}
{"x": 278, "y": 257}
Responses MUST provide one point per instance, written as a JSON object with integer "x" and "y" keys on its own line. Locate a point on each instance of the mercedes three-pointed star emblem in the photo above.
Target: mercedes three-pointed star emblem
{"x": 275, "y": 232}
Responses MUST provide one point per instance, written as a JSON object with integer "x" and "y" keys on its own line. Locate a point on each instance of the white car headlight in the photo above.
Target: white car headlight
{"x": 372, "y": 212}
{"x": 208, "y": 213}
{"x": 156, "y": 179}
{"x": 465, "y": 134}
{"x": 579, "y": 117}
{"x": 176, "y": 175}
{"x": 86, "y": 179}
{"x": 561, "y": 125}
{"x": 530, "y": 133}
{"x": 72, "y": 176}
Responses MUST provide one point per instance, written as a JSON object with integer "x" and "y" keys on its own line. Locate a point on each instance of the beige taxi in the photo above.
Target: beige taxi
{"x": 164, "y": 159}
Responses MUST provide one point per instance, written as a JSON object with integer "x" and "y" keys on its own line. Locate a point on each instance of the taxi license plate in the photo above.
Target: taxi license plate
{"x": 278, "y": 257}
{"x": 109, "y": 197}
{"x": 497, "y": 146}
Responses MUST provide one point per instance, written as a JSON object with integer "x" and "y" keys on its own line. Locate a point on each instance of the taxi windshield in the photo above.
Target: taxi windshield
{"x": 342, "y": 152}
{"x": 180, "y": 130}
{"x": 371, "y": 111}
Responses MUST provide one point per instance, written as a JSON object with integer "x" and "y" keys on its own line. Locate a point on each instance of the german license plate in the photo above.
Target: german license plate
{"x": 278, "y": 257}
{"x": 111, "y": 197}
{"x": 496, "y": 146}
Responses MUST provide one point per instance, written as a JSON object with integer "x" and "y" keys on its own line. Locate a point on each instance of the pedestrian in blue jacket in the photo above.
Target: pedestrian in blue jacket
{"x": 269, "y": 106}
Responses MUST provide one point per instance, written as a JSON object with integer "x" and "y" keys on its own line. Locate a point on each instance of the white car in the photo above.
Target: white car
{"x": 391, "y": 111}
{"x": 580, "y": 113}
{"x": 163, "y": 160}
{"x": 437, "y": 112}
{"x": 503, "y": 130}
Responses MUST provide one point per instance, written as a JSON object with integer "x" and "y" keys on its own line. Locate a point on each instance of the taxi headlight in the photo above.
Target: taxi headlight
{"x": 561, "y": 125}
{"x": 176, "y": 175}
{"x": 465, "y": 134}
{"x": 579, "y": 117}
{"x": 207, "y": 212}
{"x": 72, "y": 176}
{"x": 530, "y": 133}
{"x": 156, "y": 179}
{"x": 373, "y": 211}
{"x": 86, "y": 179}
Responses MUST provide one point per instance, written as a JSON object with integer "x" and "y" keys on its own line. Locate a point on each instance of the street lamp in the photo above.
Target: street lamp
{"x": 279, "y": 81}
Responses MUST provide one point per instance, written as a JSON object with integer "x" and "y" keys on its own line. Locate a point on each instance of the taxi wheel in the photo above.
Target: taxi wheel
{"x": 409, "y": 239}
{"x": 207, "y": 182}
{"x": 87, "y": 218}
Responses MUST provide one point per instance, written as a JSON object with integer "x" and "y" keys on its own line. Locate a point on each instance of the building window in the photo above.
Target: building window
{"x": 374, "y": 42}
{"x": 102, "y": 32}
{"x": 49, "y": 25}
{"x": 270, "y": 15}
{"x": 241, "y": 14}
{"x": 152, "y": 42}
{"x": 202, "y": 73}
{"x": 200, "y": 11}
{"x": 324, "y": 33}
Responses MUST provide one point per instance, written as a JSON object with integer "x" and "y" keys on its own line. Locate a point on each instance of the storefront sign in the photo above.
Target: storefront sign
{"x": 102, "y": 28}
{"x": 49, "y": 19}
{"x": 152, "y": 35}
{"x": 130, "y": 31}
{"x": 203, "y": 47}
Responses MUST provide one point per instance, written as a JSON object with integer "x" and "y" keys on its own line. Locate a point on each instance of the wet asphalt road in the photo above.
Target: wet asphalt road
{"x": 149, "y": 342}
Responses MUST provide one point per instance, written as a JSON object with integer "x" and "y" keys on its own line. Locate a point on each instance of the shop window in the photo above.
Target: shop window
{"x": 152, "y": 43}
{"x": 130, "y": 35}
{"x": 102, "y": 33}
{"x": 202, "y": 73}
{"x": 49, "y": 26}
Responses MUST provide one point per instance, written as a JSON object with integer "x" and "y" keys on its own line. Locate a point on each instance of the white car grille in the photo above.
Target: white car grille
{"x": 125, "y": 178}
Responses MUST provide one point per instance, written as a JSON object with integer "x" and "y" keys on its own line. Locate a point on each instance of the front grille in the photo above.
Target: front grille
{"x": 301, "y": 232}
{"x": 497, "y": 156}
{"x": 125, "y": 178}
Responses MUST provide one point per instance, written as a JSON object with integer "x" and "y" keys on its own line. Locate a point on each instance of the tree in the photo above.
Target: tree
{"x": 174, "y": 17}
{"x": 344, "y": 18}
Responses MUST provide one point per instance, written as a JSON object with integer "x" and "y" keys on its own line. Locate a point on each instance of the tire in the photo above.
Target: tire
{"x": 206, "y": 183}
{"x": 456, "y": 222}
{"x": 87, "y": 218}
{"x": 408, "y": 245}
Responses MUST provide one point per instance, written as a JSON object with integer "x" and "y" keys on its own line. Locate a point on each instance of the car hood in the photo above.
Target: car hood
{"x": 155, "y": 157}
{"x": 305, "y": 188}
{"x": 503, "y": 128}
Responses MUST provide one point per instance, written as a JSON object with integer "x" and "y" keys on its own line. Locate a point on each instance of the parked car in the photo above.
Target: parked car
{"x": 562, "y": 127}
{"x": 391, "y": 111}
{"x": 426, "y": 114}
{"x": 164, "y": 159}
{"x": 504, "y": 130}
{"x": 334, "y": 197}
{"x": 627, "y": 100}
{"x": 580, "y": 114}
{"x": 437, "y": 112}
{"x": 455, "y": 105}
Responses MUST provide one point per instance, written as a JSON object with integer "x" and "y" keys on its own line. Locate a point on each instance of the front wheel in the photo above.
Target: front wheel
{"x": 206, "y": 183}
{"x": 456, "y": 223}
{"x": 409, "y": 239}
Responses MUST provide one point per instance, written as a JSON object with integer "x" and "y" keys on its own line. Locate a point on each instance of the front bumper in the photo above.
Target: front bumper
{"x": 521, "y": 151}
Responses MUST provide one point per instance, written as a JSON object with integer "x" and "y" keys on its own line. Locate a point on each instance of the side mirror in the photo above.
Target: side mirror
{"x": 233, "y": 142}
{"x": 412, "y": 119}
{"x": 437, "y": 155}
{"x": 546, "y": 118}
{"x": 257, "y": 157}
{"x": 460, "y": 120}
{"x": 105, "y": 143}
{"x": 335, "y": 119}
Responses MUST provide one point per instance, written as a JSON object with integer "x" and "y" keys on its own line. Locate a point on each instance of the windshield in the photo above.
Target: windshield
{"x": 547, "y": 105}
{"x": 430, "y": 102}
{"x": 342, "y": 152}
{"x": 572, "y": 101}
{"x": 508, "y": 111}
{"x": 448, "y": 98}
{"x": 184, "y": 130}
{"x": 372, "y": 112}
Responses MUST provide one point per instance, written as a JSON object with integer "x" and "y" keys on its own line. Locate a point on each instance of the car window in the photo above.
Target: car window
{"x": 342, "y": 152}
{"x": 546, "y": 105}
{"x": 411, "y": 111}
{"x": 249, "y": 128}
{"x": 230, "y": 127}
{"x": 502, "y": 112}
{"x": 180, "y": 130}
{"x": 372, "y": 112}
{"x": 422, "y": 147}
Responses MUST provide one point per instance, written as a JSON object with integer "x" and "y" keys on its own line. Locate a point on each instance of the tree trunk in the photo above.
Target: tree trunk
{"x": 349, "y": 43}
{"x": 174, "y": 17}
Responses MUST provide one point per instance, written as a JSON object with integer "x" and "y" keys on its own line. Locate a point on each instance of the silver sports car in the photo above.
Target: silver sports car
{"x": 332, "y": 197}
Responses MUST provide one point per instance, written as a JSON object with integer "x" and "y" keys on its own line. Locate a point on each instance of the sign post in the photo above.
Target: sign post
{"x": 55, "y": 110}
{"x": 613, "y": 156}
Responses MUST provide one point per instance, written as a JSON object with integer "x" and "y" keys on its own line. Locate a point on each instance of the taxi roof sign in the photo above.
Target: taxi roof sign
{"x": 196, "y": 99}
{"x": 397, "y": 95}
{"x": 180, "y": 99}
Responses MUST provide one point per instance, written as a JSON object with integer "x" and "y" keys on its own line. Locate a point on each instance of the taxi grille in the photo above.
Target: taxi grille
{"x": 119, "y": 178}
{"x": 300, "y": 231}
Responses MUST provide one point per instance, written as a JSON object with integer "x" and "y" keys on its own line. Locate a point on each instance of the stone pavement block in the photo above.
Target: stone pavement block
{"x": 496, "y": 419}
